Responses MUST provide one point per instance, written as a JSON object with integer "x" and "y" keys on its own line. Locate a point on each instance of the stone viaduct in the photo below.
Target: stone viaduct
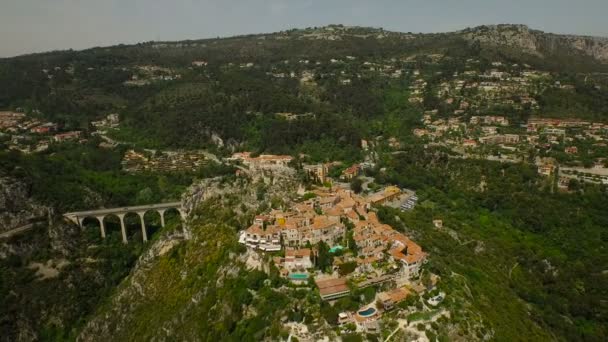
{"x": 79, "y": 216}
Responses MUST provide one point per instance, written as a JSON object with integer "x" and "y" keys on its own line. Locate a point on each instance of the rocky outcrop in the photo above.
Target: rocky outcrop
{"x": 180, "y": 285}
{"x": 537, "y": 42}
{"x": 16, "y": 206}
{"x": 518, "y": 36}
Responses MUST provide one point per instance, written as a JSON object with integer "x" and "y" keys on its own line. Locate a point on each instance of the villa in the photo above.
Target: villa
{"x": 262, "y": 161}
{"x": 318, "y": 171}
{"x": 259, "y": 238}
{"x": 332, "y": 288}
{"x": 390, "y": 298}
{"x": 351, "y": 172}
{"x": 66, "y": 136}
{"x": 390, "y": 193}
{"x": 296, "y": 259}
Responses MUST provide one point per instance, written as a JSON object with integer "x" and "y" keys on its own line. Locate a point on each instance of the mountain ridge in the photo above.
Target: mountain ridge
{"x": 538, "y": 42}
{"x": 594, "y": 46}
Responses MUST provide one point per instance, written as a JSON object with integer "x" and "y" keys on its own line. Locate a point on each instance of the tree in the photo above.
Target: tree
{"x": 426, "y": 279}
{"x": 356, "y": 185}
{"x": 352, "y": 244}
{"x": 347, "y": 268}
{"x": 574, "y": 184}
{"x": 324, "y": 257}
{"x": 144, "y": 196}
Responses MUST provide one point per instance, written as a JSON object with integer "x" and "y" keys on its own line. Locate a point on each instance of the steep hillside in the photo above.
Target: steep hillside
{"x": 17, "y": 209}
{"x": 201, "y": 288}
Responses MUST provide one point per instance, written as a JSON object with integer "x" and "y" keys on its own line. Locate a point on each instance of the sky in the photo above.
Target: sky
{"x": 28, "y": 26}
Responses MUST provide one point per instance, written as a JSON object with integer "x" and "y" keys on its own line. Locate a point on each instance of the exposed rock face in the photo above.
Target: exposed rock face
{"x": 537, "y": 42}
{"x": 64, "y": 237}
{"x": 16, "y": 206}
{"x": 279, "y": 182}
{"x": 509, "y": 35}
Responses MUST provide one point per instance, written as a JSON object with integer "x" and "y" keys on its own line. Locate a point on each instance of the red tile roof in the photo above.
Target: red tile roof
{"x": 332, "y": 286}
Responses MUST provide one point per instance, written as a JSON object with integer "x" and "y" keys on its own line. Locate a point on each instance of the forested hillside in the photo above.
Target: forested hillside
{"x": 496, "y": 128}
{"x": 342, "y": 75}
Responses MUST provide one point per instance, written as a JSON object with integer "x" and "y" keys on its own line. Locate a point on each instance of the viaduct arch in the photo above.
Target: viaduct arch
{"x": 78, "y": 216}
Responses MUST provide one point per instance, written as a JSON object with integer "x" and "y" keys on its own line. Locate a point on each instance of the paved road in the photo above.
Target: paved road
{"x": 124, "y": 209}
{"x": 17, "y": 230}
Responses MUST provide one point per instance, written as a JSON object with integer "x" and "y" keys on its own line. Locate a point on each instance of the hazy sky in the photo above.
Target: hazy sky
{"x": 42, "y": 25}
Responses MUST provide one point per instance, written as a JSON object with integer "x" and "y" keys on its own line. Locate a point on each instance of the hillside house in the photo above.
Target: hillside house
{"x": 297, "y": 259}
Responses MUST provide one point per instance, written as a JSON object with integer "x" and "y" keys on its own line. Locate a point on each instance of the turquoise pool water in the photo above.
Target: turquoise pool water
{"x": 335, "y": 248}
{"x": 298, "y": 276}
{"x": 367, "y": 312}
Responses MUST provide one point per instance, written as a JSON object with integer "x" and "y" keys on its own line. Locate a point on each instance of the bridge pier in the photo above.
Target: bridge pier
{"x": 123, "y": 229}
{"x": 102, "y": 226}
{"x": 162, "y": 217}
{"x": 143, "y": 225}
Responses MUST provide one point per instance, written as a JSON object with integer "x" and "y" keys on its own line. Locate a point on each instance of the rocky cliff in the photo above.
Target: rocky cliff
{"x": 16, "y": 206}
{"x": 537, "y": 42}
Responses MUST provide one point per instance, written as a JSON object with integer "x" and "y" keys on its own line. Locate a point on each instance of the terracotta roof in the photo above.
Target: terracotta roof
{"x": 304, "y": 252}
{"x": 302, "y": 207}
{"x": 351, "y": 170}
{"x": 395, "y": 253}
{"x": 289, "y": 225}
{"x": 395, "y": 295}
{"x": 335, "y": 211}
{"x": 321, "y": 222}
{"x": 332, "y": 286}
{"x": 371, "y": 216}
{"x": 358, "y": 238}
{"x": 329, "y": 199}
{"x": 347, "y": 202}
{"x": 352, "y": 215}
{"x": 255, "y": 229}
{"x": 367, "y": 260}
{"x": 414, "y": 258}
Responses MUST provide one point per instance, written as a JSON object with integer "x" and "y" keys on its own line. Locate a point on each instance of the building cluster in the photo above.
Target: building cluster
{"x": 27, "y": 134}
{"x": 568, "y": 140}
{"x": 318, "y": 172}
{"x": 165, "y": 161}
{"x": 17, "y": 122}
{"x": 325, "y": 218}
{"x": 147, "y": 74}
{"x": 110, "y": 121}
{"x": 262, "y": 161}
{"x": 467, "y": 125}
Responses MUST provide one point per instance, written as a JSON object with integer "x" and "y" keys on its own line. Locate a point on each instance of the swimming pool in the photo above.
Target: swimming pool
{"x": 298, "y": 276}
{"x": 335, "y": 248}
{"x": 367, "y": 312}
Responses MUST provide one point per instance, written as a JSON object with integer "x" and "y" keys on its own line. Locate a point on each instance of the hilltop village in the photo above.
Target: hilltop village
{"x": 333, "y": 240}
